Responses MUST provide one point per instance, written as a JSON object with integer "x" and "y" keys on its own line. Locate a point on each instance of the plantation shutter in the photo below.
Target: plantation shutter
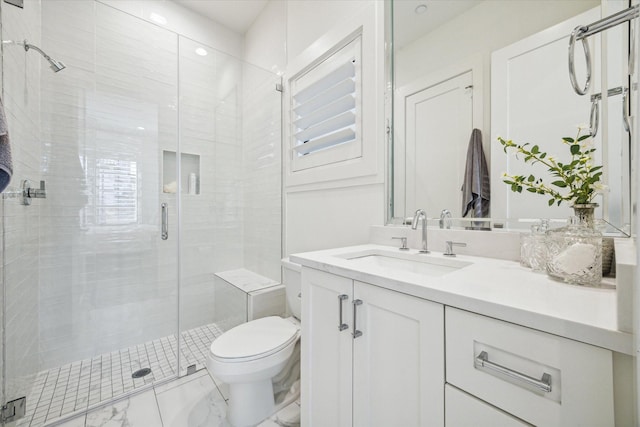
{"x": 326, "y": 108}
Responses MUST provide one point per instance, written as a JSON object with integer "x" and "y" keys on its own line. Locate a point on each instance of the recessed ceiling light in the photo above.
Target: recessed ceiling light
{"x": 201, "y": 51}
{"x": 159, "y": 19}
{"x": 420, "y": 9}
{"x": 140, "y": 128}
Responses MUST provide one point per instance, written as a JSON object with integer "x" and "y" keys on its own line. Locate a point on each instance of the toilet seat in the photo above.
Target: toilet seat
{"x": 254, "y": 340}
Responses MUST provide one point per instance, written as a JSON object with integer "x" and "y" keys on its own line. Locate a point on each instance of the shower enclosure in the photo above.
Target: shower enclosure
{"x": 158, "y": 153}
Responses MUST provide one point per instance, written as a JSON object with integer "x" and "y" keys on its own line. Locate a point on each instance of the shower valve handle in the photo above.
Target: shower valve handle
{"x": 29, "y": 193}
{"x": 38, "y": 193}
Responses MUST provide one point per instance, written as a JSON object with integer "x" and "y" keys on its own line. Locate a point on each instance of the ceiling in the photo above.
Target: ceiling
{"x": 410, "y": 25}
{"x": 237, "y": 15}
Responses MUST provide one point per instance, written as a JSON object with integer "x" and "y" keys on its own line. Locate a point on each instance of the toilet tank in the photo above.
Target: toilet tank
{"x": 292, "y": 280}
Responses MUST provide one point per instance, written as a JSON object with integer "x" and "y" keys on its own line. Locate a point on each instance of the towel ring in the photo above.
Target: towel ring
{"x": 593, "y": 117}
{"x": 587, "y": 55}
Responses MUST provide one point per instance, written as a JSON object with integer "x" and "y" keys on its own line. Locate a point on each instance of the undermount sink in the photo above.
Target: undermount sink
{"x": 428, "y": 265}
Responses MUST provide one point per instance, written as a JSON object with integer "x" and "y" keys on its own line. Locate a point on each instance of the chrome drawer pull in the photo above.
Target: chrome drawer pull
{"x": 356, "y": 333}
{"x": 341, "y": 326}
{"x": 544, "y": 384}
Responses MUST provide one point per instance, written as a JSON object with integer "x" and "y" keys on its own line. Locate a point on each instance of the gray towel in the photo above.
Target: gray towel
{"x": 475, "y": 188}
{"x": 6, "y": 167}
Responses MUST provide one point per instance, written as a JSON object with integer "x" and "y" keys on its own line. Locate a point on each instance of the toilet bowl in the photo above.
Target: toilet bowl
{"x": 248, "y": 356}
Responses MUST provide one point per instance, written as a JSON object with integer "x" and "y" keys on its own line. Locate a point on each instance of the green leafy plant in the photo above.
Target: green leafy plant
{"x": 577, "y": 180}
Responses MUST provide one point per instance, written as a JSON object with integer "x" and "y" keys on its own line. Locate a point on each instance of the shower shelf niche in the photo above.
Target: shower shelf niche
{"x": 189, "y": 173}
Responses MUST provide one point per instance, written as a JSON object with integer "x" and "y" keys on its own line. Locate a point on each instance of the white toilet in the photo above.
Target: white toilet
{"x": 248, "y": 356}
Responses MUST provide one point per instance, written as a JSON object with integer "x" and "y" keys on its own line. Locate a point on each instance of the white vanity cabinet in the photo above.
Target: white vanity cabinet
{"x": 370, "y": 356}
{"x": 491, "y": 344}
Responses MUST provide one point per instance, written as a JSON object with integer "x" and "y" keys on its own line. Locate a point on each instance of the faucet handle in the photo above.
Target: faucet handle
{"x": 445, "y": 219}
{"x": 404, "y": 243}
{"x": 450, "y": 245}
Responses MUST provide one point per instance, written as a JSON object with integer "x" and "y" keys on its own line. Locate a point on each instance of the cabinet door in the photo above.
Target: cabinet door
{"x": 326, "y": 350}
{"x": 463, "y": 410}
{"x": 398, "y": 360}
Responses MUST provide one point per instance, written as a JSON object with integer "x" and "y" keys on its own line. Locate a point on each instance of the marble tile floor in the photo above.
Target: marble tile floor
{"x": 61, "y": 391}
{"x": 192, "y": 401}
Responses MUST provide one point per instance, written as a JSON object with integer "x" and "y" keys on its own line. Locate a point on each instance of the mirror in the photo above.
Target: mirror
{"x": 500, "y": 66}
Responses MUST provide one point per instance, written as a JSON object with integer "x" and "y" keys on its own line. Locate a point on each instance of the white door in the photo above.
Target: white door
{"x": 326, "y": 350}
{"x": 398, "y": 361}
{"x": 438, "y": 121}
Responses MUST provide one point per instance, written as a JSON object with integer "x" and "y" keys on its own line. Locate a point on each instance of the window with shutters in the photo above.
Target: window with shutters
{"x": 116, "y": 192}
{"x": 326, "y": 110}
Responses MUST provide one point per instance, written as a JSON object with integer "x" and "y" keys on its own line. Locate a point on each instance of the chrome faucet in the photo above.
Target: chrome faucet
{"x": 445, "y": 219}
{"x": 421, "y": 215}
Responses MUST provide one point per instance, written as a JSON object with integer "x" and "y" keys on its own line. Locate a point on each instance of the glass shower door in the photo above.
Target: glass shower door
{"x": 91, "y": 271}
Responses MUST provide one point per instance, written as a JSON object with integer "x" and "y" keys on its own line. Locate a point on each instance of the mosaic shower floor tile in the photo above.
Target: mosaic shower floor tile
{"x": 74, "y": 387}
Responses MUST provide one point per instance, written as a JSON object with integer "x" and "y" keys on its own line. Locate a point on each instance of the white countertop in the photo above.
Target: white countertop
{"x": 497, "y": 288}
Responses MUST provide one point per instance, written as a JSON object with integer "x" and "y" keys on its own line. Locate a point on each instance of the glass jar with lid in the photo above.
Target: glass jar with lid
{"x": 533, "y": 247}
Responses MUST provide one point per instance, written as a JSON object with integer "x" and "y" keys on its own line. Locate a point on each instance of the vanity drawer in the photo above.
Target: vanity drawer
{"x": 462, "y": 409}
{"x": 538, "y": 377}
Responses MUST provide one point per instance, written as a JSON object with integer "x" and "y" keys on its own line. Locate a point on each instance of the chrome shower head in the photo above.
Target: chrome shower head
{"x": 53, "y": 64}
{"x": 56, "y": 65}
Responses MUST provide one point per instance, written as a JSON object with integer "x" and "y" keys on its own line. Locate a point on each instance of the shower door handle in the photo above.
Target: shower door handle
{"x": 165, "y": 221}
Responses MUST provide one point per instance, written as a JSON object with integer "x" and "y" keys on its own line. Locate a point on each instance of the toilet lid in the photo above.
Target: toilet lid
{"x": 255, "y": 339}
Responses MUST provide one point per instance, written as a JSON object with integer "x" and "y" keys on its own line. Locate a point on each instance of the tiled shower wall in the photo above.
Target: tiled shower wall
{"x": 107, "y": 279}
{"x": 21, "y": 96}
{"x": 262, "y": 172}
{"x": 212, "y": 220}
{"x": 230, "y": 118}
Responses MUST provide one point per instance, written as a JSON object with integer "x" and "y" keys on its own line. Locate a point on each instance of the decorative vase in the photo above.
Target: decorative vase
{"x": 575, "y": 253}
{"x": 585, "y": 213}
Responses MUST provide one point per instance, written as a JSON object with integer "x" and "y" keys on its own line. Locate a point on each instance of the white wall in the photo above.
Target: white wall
{"x": 332, "y": 218}
{"x": 322, "y": 216}
{"x": 265, "y": 43}
{"x": 490, "y": 25}
{"x": 308, "y": 20}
